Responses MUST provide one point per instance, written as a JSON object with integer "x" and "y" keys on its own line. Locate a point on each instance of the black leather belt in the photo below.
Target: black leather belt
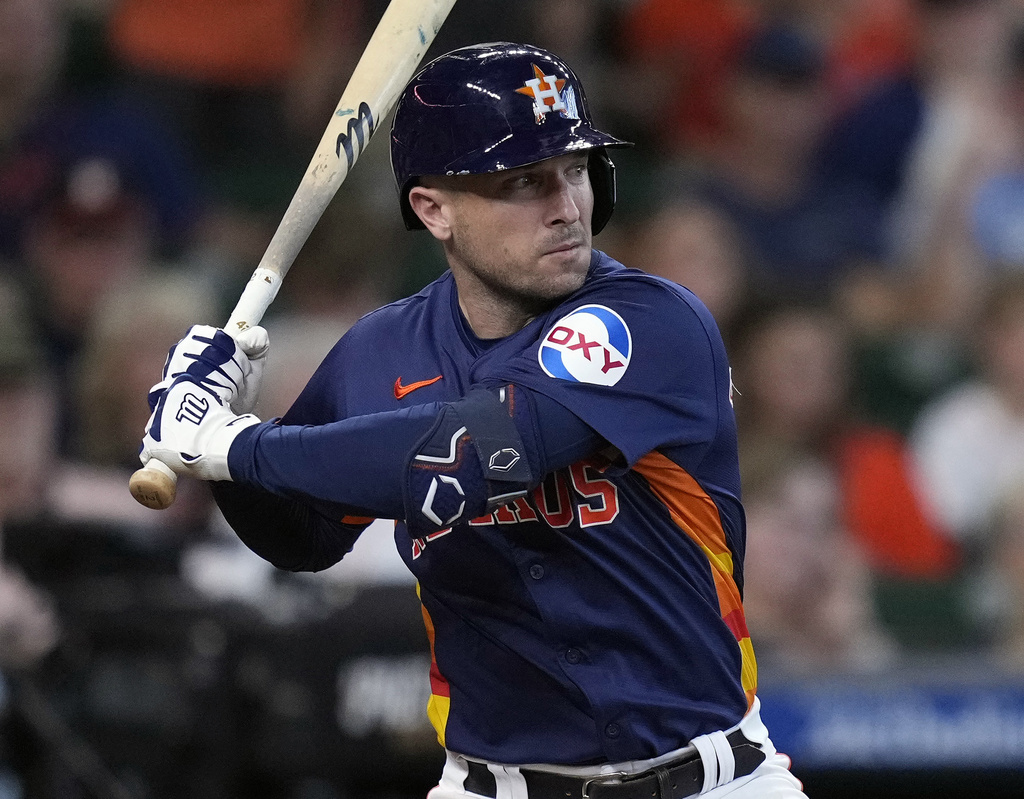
{"x": 674, "y": 780}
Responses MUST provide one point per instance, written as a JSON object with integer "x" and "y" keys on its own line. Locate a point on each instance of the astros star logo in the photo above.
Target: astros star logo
{"x": 546, "y": 91}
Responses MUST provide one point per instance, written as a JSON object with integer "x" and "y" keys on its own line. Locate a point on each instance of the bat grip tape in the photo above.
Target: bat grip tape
{"x": 259, "y": 292}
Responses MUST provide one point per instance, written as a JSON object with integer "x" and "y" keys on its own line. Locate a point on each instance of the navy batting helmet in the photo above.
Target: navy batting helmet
{"x": 490, "y": 107}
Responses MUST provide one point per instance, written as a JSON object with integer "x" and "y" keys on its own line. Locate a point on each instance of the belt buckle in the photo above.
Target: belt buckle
{"x": 600, "y": 779}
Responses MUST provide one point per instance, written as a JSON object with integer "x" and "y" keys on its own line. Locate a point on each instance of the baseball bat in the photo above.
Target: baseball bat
{"x": 398, "y": 44}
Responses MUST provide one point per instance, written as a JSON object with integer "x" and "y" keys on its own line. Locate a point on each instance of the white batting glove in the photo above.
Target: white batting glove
{"x": 231, "y": 368}
{"x": 191, "y": 430}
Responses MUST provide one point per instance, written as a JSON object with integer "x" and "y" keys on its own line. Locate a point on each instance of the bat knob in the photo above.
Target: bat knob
{"x": 154, "y": 486}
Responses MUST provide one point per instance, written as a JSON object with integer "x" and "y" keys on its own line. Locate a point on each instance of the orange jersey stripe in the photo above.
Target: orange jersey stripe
{"x": 439, "y": 704}
{"x": 737, "y": 623}
{"x": 697, "y": 515}
{"x": 357, "y": 519}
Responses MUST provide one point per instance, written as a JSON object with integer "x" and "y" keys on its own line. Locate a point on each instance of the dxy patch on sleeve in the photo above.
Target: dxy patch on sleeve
{"x": 590, "y": 345}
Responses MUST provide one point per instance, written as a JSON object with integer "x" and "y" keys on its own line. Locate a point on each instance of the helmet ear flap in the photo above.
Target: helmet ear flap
{"x": 602, "y": 181}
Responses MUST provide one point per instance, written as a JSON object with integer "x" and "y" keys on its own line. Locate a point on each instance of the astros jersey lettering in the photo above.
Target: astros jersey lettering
{"x": 598, "y": 617}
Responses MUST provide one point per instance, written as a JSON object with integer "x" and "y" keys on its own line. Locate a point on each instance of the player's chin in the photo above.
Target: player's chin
{"x": 558, "y": 286}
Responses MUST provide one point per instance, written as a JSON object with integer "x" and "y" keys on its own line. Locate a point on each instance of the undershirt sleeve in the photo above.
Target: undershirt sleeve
{"x": 290, "y": 533}
{"x": 357, "y": 466}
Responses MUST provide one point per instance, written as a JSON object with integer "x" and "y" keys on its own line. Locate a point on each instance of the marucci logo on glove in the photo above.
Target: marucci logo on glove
{"x": 192, "y": 409}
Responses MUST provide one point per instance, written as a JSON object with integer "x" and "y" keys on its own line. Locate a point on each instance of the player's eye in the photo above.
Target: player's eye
{"x": 523, "y": 182}
{"x": 520, "y": 184}
{"x": 577, "y": 171}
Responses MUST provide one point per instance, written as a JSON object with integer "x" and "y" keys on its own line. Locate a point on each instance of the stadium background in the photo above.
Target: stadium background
{"x": 842, "y": 181}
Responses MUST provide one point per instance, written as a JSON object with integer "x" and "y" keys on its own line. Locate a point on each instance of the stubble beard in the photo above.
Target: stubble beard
{"x": 515, "y": 285}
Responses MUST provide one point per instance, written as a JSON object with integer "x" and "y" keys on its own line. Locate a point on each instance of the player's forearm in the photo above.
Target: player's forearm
{"x": 384, "y": 463}
{"x": 359, "y": 462}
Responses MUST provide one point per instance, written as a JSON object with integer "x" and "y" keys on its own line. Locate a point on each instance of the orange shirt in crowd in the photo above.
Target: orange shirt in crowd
{"x": 884, "y": 512}
{"x": 697, "y": 43}
{"x": 230, "y": 42}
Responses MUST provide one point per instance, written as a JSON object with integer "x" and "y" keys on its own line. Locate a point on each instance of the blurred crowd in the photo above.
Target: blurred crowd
{"x": 841, "y": 181}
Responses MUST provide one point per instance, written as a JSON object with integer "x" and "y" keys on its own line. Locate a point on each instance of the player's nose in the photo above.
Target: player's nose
{"x": 563, "y": 203}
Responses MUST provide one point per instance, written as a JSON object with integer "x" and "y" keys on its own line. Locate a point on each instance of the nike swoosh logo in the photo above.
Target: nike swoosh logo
{"x": 401, "y": 391}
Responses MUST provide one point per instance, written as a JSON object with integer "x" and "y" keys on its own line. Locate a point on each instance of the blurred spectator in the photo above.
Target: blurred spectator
{"x": 31, "y": 48}
{"x": 28, "y": 409}
{"x": 684, "y": 53}
{"x": 93, "y": 232}
{"x": 902, "y": 359}
{"x": 969, "y": 442}
{"x": 31, "y": 40}
{"x": 807, "y": 587}
{"x": 696, "y": 246}
{"x": 789, "y": 384}
{"x": 798, "y": 432}
{"x": 28, "y": 622}
{"x": 866, "y": 41}
{"x": 923, "y": 141}
{"x": 249, "y": 85}
{"x": 348, "y": 266}
{"x": 58, "y": 108}
{"x": 29, "y": 627}
{"x": 298, "y": 343}
{"x": 916, "y": 146}
{"x": 996, "y": 206}
{"x": 803, "y": 231}
{"x": 125, "y": 344}
{"x": 1004, "y": 569}
{"x": 965, "y": 132}
{"x": 151, "y": 161}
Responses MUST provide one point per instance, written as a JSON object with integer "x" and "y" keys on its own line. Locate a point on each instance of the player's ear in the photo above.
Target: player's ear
{"x": 432, "y": 205}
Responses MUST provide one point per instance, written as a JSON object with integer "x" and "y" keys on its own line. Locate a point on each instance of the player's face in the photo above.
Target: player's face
{"x": 523, "y": 236}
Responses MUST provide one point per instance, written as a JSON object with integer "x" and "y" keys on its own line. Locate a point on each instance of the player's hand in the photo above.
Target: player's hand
{"x": 255, "y": 343}
{"x": 192, "y": 428}
{"x": 231, "y": 368}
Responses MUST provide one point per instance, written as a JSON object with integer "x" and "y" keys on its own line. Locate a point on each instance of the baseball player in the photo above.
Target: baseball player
{"x": 553, "y": 433}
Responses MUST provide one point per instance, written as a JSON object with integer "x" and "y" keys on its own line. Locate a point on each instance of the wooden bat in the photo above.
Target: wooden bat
{"x": 402, "y": 37}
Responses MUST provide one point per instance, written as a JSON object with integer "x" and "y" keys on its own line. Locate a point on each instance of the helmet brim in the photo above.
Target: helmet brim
{"x": 498, "y": 159}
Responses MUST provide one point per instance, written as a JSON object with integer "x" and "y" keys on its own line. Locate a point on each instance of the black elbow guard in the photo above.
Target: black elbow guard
{"x": 471, "y": 462}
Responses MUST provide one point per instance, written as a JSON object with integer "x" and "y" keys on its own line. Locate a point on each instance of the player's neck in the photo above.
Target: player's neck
{"x": 489, "y": 317}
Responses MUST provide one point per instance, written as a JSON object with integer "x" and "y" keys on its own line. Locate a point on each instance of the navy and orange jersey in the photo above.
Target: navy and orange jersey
{"x": 598, "y": 617}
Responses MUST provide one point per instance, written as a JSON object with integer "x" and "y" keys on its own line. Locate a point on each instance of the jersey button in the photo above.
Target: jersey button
{"x": 612, "y": 730}
{"x": 536, "y": 571}
{"x": 574, "y": 656}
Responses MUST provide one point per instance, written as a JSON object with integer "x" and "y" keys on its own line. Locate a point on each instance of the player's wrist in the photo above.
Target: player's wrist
{"x": 238, "y": 449}
{"x": 191, "y": 431}
{"x": 214, "y": 462}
